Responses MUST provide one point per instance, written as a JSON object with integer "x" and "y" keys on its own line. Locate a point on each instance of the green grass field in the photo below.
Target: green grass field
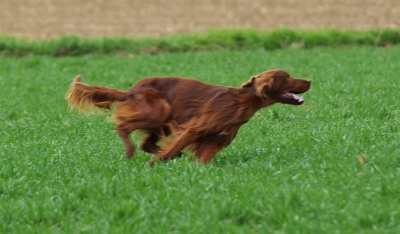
{"x": 331, "y": 165}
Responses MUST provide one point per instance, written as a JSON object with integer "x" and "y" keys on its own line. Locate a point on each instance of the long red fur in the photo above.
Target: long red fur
{"x": 199, "y": 116}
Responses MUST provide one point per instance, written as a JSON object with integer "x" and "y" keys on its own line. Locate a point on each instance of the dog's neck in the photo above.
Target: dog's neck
{"x": 249, "y": 95}
{"x": 248, "y": 100}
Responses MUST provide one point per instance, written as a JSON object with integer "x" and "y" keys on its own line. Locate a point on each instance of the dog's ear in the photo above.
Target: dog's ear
{"x": 250, "y": 82}
{"x": 266, "y": 90}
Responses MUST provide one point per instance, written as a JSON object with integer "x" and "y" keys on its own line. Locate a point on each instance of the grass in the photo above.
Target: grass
{"x": 329, "y": 166}
{"x": 209, "y": 41}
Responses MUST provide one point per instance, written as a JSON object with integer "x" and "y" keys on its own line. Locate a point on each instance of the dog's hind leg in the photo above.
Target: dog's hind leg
{"x": 124, "y": 131}
{"x": 141, "y": 112}
{"x": 150, "y": 142}
{"x": 126, "y": 128}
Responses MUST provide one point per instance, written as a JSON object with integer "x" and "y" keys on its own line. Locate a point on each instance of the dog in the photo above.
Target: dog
{"x": 176, "y": 113}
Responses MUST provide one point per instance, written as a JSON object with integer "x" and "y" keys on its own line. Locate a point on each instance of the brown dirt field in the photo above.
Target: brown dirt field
{"x": 52, "y": 18}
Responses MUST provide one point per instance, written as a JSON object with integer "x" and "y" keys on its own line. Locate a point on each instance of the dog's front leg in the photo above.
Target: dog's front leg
{"x": 207, "y": 149}
{"x": 176, "y": 145}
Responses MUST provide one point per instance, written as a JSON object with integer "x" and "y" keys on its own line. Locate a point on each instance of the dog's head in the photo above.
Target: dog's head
{"x": 278, "y": 86}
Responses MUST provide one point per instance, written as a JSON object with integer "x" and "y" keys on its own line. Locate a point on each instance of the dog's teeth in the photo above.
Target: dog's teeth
{"x": 297, "y": 98}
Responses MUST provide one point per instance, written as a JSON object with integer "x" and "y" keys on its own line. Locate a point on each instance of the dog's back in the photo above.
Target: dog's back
{"x": 186, "y": 96}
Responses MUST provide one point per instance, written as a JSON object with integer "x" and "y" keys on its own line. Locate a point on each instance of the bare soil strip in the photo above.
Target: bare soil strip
{"x": 49, "y": 19}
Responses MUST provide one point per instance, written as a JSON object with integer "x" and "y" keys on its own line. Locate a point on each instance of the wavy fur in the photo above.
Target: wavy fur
{"x": 186, "y": 113}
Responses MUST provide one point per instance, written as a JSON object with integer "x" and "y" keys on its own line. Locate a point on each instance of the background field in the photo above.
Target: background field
{"x": 329, "y": 166}
{"x": 49, "y": 19}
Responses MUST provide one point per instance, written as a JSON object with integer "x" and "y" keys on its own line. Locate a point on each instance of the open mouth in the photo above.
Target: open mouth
{"x": 292, "y": 98}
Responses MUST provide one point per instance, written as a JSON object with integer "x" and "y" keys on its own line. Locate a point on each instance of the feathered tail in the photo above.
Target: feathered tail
{"x": 84, "y": 97}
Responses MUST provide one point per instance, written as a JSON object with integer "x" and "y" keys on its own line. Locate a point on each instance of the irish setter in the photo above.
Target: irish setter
{"x": 178, "y": 113}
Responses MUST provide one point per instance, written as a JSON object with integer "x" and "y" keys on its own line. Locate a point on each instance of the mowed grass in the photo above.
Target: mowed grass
{"x": 331, "y": 165}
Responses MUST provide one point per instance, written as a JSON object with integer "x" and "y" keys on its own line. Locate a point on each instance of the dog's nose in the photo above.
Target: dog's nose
{"x": 309, "y": 81}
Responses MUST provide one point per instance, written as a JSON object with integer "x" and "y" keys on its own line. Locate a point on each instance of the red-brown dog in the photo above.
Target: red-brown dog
{"x": 202, "y": 117}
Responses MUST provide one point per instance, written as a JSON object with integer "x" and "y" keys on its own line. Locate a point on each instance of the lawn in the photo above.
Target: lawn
{"x": 331, "y": 165}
